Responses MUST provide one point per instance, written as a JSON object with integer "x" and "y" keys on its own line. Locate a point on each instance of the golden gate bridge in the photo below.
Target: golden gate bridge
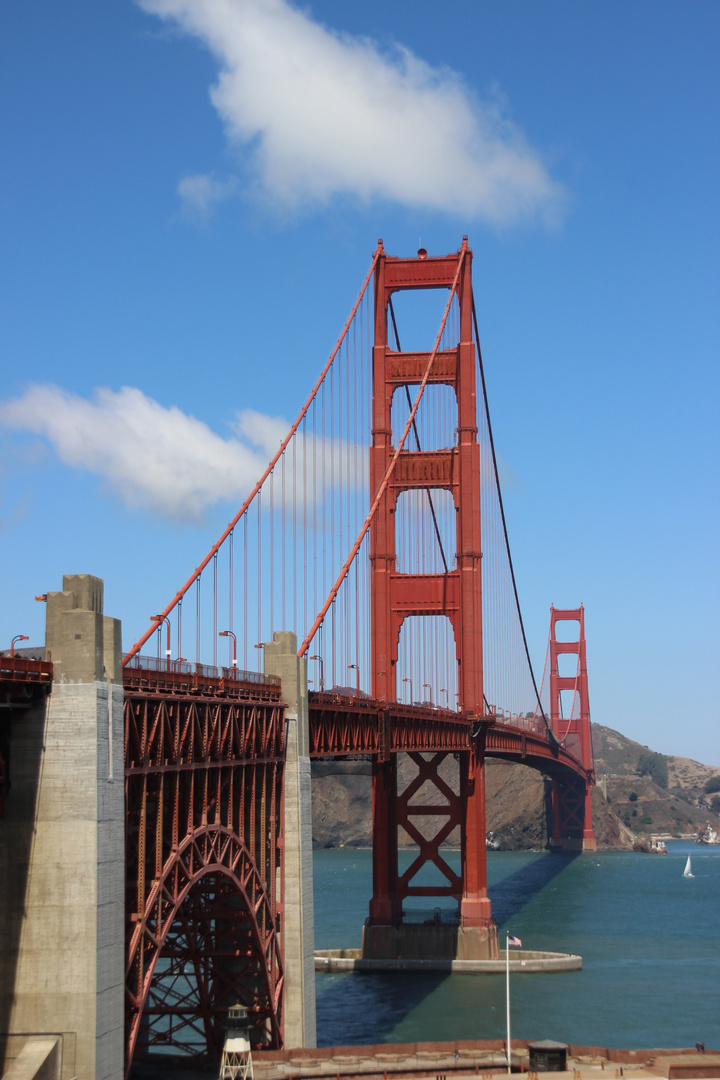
{"x": 374, "y": 548}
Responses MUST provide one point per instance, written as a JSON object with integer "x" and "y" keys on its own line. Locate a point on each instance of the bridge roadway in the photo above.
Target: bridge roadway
{"x": 346, "y": 725}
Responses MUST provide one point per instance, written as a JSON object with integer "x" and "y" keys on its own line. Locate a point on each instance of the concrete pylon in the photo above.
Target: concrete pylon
{"x": 62, "y": 850}
{"x": 281, "y": 659}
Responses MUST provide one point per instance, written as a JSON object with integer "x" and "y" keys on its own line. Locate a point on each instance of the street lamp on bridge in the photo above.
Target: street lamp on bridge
{"x": 229, "y": 633}
{"x": 160, "y": 619}
{"x": 18, "y": 637}
{"x": 322, "y": 668}
{"x": 429, "y": 687}
{"x": 447, "y": 699}
{"x": 411, "y": 693}
{"x": 357, "y": 679}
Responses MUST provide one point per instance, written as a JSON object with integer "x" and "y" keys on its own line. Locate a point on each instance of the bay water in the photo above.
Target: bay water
{"x": 649, "y": 939}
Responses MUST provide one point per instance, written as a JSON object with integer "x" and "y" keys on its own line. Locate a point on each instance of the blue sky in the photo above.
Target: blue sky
{"x": 191, "y": 194}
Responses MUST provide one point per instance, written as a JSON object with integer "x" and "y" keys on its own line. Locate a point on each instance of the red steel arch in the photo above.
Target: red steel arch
{"x": 233, "y": 918}
{"x": 204, "y": 874}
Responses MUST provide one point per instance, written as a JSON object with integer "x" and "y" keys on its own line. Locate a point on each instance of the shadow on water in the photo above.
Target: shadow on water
{"x": 351, "y": 1006}
{"x": 511, "y": 894}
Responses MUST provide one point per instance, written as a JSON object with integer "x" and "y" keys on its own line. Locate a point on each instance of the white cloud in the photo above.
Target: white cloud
{"x": 325, "y": 113}
{"x": 171, "y": 464}
{"x": 151, "y": 456}
{"x": 200, "y": 192}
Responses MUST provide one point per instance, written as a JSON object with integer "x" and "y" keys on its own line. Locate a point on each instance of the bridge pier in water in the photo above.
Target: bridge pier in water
{"x": 473, "y": 936}
{"x": 572, "y": 815}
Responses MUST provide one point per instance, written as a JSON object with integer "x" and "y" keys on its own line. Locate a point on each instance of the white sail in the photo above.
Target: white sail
{"x": 687, "y": 872}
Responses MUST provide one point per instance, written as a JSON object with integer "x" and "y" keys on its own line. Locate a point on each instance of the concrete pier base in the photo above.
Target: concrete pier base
{"x": 432, "y": 942}
{"x": 298, "y": 923}
{"x": 62, "y": 853}
{"x": 525, "y": 961}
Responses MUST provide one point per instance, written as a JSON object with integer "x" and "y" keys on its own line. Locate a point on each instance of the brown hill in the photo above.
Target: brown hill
{"x": 672, "y": 798}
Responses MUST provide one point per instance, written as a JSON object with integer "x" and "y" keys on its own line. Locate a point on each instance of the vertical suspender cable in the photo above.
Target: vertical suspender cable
{"x": 258, "y": 486}
{"x": 215, "y": 608}
{"x": 388, "y": 473}
{"x": 283, "y": 608}
{"x": 245, "y": 604}
{"x": 305, "y": 570}
{"x": 271, "y": 582}
{"x": 197, "y": 622}
{"x": 231, "y": 577}
{"x": 294, "y": 541}
{"x": 258, "y": 511}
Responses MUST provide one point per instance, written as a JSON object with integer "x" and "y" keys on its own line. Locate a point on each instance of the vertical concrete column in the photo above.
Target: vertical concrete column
{"x": 63, "y": 841}
{"x": 299, "y": 925}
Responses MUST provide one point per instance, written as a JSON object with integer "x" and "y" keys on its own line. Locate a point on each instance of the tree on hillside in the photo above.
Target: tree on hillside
{"x": 711, "y": 785}
{"x": 654, "y": 766}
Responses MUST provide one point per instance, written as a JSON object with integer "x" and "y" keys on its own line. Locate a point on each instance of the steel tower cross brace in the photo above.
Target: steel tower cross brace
{"x": 457, "y": 593}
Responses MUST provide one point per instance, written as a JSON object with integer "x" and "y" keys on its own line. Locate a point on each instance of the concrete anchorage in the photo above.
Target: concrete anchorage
{"x": 298, "y": 923}
{"x": 62, "y": 855}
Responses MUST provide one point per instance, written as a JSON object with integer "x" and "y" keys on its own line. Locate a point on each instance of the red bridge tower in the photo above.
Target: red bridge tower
{"x": 456, "y": 594}
{"x": 572, "y": 811}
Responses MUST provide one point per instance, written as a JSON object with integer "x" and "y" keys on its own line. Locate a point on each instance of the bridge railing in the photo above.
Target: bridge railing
{"x": 529, "y": 721}
{"x": 350, "y": 700}
{"x": 25, "y": 668}
{"x": 163, "y": 675}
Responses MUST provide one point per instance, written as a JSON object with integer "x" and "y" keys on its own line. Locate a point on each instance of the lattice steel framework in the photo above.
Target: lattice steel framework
{"x": 342, "y": 727}
{"x": 204, "y": 858}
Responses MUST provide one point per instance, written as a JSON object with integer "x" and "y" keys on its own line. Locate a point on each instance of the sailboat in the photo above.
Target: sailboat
{"x": 687, "y": 872}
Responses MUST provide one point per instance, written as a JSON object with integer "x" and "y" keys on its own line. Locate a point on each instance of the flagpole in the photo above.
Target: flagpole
{"x": 507, "y": 992}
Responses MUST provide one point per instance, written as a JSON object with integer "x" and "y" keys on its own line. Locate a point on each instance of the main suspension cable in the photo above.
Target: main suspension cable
{"x": 502, "y": 511}
{"x": 391, "y": 466}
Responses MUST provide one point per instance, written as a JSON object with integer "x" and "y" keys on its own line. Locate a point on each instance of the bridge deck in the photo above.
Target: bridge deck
{"x": 345, "y": 725}
{"x": 342, "y": 725}
{"x": 24, "y": 669}
{"x": 156, "y": 675}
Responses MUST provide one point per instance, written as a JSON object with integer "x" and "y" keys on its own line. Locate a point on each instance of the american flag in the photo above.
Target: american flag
{"x": 515, "y": 941}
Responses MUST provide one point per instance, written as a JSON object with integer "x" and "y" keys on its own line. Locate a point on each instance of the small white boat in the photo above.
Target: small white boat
{"x": 687, "y": 872}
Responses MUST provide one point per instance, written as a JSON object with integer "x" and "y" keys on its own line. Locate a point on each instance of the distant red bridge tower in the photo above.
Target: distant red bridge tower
{"x": 572, "y": 810}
